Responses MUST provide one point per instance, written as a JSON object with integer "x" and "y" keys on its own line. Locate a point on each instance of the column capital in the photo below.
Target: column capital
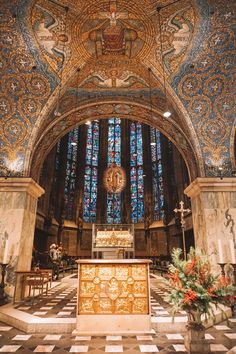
{"x": 21, "y": 184}
{"x": 210, "y": 184}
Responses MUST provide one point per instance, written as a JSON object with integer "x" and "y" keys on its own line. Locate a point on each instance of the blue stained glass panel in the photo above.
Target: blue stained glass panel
{"x": 91, "y": 173}
{"x": 136, "y": 172}
{"x": 157, "y": 174}
{"x": 70, "y": 179}
{"x": 114, "y": 156}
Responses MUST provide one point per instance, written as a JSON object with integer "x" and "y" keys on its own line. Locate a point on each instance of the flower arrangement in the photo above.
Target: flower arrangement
{"x": 194, "y": 288}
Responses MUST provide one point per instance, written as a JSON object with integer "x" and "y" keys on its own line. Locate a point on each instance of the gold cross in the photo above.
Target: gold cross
{"x": 182, "y": 211}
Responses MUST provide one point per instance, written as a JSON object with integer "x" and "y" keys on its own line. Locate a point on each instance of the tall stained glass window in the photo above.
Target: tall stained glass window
{"x": 136, "y": 172}
{"x": 70, "y": 180}
{"x": 91, "y": 172}
{"x": 114, "y": 156}
{"x": 157, "y": 173}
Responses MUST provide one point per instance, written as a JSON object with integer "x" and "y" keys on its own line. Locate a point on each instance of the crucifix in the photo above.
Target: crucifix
{"x": 182, "y": 211}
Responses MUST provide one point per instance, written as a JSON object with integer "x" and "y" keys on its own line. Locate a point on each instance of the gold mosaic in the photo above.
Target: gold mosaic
{"x": 113, "y": 288}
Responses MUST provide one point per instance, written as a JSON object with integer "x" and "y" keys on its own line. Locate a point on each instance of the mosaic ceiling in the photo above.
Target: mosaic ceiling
{"x": 66, "y": 61}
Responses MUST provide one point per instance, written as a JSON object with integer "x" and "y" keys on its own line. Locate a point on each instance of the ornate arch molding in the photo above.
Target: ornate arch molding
{"x": 121, "y": 109}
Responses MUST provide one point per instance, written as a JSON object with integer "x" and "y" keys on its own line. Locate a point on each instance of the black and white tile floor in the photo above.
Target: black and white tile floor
{"x": 61, "y": 302}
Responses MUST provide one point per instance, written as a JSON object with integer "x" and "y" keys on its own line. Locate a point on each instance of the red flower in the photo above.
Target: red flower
{"x": 203, "y": 272}
{"x": 190, "y": 266}
{"x": 224, "y": 281}
{"x": 211, "y": 291}
{"x": 174, "y": 277}
{"x": 189, "y": 296}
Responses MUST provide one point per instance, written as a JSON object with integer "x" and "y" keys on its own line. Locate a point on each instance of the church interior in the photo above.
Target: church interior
{"x": 117, "y": 147}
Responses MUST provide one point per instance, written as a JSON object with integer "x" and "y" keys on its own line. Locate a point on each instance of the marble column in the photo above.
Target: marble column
{"x": 214, "y": 216}
{"x": 18, "y": 205}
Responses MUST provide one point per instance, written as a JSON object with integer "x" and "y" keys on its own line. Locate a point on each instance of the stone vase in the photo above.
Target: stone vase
{"x": 194, "y": 339}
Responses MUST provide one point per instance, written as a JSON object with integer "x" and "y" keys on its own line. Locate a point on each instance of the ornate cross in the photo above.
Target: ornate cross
{"x": 182, "y": 211}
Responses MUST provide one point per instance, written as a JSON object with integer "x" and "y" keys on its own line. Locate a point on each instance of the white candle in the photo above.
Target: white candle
{"x": 5, "y": 254}
{"x": 220, "y": 251}
{"x": 232, "y": 251}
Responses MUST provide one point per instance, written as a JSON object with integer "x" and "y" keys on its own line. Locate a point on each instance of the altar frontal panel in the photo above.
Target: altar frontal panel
{"x": 113, "y": 289}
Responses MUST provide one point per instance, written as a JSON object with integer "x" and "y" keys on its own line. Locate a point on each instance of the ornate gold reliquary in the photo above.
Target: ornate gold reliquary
{"x": 113, "y": 289}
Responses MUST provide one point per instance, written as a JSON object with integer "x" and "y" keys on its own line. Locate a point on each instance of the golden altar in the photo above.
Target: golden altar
{"x": 113, "y": 296}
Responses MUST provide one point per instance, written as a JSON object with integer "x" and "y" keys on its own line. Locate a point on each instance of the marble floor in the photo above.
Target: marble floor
{"x": 61, "y": 303}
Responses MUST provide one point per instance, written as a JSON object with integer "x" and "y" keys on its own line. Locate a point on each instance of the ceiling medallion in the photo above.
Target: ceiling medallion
{"x": 114, "y": 179}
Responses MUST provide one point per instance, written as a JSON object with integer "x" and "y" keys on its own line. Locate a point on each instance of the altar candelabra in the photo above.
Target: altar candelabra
{"x": 3, "y": 295}
{"x": 222, "y": 267}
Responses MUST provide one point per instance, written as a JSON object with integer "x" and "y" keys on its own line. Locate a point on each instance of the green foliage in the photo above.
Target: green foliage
{"x": 194, "y": 288}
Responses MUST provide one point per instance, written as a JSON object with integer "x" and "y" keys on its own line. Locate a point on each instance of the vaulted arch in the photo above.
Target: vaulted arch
{"x": 122, "y": 109}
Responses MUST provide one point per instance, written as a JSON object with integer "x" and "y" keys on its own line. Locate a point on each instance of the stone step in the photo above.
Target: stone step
{"x": 32, "y": 324}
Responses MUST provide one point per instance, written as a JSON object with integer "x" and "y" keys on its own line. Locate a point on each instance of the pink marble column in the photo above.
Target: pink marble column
{"x": 18, "y": 206}
{"x": 214, "y": 217}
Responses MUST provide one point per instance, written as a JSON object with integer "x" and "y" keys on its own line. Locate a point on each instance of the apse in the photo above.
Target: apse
{"x": 149, "y": 178}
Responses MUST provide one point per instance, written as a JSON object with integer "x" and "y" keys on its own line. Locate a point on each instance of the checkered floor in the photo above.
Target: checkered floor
{"x": 61, "y": 302}
{"x": 221, "y": 339}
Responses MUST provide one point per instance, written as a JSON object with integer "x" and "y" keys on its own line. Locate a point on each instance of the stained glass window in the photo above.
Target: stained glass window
{"x": 114, "y": 156}
{"x": 91, "y": 172}
{"x": 136, "y": 172}
{"x": 70, "y": 180}
{"x": 157, "y": 173}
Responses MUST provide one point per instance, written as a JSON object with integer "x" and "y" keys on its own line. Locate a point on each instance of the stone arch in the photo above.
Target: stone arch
{"x": 122, "y": 109}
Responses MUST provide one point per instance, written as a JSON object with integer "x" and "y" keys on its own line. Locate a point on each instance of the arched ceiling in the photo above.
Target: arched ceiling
{"x": 112, "y": 31}
{"x": 122, "y": 109}
{"x": 66, "y": 54}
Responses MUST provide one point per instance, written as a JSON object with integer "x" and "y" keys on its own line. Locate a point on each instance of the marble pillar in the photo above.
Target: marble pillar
{"x": 214, "y": 218}
{"x": 18, "y": 205}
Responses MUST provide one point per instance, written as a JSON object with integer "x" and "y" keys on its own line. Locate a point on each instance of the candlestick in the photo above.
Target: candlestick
{"x": 220, "y": 251}
{"x": 3, "y": 296}
{"x": 232, "y": 251}
{"x": 222, "y": 266}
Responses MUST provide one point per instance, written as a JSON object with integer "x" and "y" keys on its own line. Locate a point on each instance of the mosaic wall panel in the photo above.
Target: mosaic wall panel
{"x": 113, "y": 289}
{"x": 114, "y": 43}
{"x": 25, "y": 87}
{"x": 206, "y": 88}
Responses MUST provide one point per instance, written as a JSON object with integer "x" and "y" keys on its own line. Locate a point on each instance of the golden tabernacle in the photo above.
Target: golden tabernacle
{"x": 113, "y": 296}
{"x": 114, "y": 239}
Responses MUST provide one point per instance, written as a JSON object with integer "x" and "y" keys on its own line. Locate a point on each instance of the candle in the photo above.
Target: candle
{"x": 5, "y": 254}
{"x": 232, "y": 251}
{"x": 220, "y": 251}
